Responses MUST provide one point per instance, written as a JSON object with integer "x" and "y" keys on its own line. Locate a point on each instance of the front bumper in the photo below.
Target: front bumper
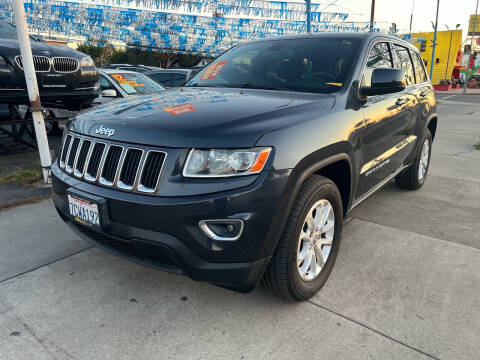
{"x": 163, "y": 232}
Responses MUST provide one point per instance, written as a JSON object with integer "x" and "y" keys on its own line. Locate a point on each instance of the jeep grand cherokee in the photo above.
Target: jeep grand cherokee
{"x": 247, "y": 172}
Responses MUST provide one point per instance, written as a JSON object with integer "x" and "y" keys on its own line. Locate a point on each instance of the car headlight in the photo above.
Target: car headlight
{"x": 225, "y": 162}
{"x": 2, "y": 61}
{"x": 87, "y": 61}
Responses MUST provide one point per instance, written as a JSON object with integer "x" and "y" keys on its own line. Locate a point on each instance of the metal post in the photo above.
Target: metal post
{"x": 411, "y": 16}
{"x": 32, "y": 87}
{"x": 372, "y": 16}
{"x": 309, "y": 15}
{"x": 434, "y": 41}
{"x": 471, "y": 48}
{"x": 448, "y": 57}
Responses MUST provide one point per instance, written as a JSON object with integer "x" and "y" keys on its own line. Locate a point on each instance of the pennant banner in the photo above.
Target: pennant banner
{"x": 205, "y": 27}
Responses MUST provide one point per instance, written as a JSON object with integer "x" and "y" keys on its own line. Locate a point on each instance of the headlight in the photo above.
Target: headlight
{"x": 225, "y": 162}
{"x": 2, "y": 61}
{"x": 87, "y": 61}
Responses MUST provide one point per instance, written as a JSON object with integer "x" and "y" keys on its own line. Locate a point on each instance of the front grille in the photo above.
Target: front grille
{"x": 112, "y": 165}
{"x": 41, "y": 63}
{"x": 65, "y": 64}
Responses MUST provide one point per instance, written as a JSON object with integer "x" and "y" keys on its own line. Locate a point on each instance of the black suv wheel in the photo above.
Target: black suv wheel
{"x": 309, "y": 243}
{"x": 414, "y": 177}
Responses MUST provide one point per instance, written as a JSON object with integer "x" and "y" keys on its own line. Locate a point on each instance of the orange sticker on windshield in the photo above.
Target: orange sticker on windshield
{"x": 180, "y": 109}
{"x": 212, "y": 71}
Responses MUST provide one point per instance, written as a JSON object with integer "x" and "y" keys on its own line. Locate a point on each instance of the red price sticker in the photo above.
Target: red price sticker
{"x": 213, "y": 70}
{"x": 180, "y": 109}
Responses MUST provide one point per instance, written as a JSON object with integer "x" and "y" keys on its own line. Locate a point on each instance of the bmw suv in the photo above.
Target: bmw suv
{"x": 246, "y": 173}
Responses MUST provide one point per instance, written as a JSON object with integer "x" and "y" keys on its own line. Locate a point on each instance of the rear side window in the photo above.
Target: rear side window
{"x": 162, "y": 78}
{"x": 420, "y": 74}
{"x": 379, "y": 57}
{"x": 404, "y": 62}
{"x": 179, "y": 79}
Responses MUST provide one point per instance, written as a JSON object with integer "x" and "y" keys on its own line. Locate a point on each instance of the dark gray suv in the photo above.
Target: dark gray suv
{"x": 247, "y": 172}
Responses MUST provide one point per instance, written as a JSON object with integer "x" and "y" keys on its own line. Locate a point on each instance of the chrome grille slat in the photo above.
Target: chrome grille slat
{"x": 65, "y": 64}
{"x": 151, "y": 171}
{"x": 79, "y": 167}
{"x": 95, "y": 161}
{"x": 126, "y": 168}
{"x": 65, "y": 150}
{"x": 72, "y": 155}
{"x": 112, "y": 160}
{"x": 129, "y": 170}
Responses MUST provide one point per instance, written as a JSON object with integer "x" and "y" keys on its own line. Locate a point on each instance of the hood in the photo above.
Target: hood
{"x": 200, "y": 117}
{"x": 12, "y": 48}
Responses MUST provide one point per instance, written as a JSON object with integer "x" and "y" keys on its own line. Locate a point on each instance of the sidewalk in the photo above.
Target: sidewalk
{"x": 460, "y": 92}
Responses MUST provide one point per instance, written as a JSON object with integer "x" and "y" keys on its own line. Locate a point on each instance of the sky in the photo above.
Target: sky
{"x": 452, "y": 12}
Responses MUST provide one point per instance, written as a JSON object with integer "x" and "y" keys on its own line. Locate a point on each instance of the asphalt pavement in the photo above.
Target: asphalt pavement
{"x": 406, "y": 284}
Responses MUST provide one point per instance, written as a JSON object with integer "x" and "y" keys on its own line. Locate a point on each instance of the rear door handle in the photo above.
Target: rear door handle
{"x": 401, "y": 101}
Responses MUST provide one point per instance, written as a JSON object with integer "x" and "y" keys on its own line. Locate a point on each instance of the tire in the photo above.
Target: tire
{"x": 283, "y": 275}
{"x": 51, "y": 125}
{"x": 413, "y": 178}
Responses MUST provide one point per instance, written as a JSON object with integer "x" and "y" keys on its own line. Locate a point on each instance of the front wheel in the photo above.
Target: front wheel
{"x": 414, "y": 177}
{"x": 309, "y": 243}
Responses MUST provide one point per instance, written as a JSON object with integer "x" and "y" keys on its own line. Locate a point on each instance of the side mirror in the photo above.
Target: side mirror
{"x": 385, "y": 81}
{"x": 109, "y": 93}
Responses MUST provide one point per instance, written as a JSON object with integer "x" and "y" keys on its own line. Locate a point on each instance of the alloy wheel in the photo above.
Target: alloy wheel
{"x": 315, "y": 240}
{"x": 424, "y": 158}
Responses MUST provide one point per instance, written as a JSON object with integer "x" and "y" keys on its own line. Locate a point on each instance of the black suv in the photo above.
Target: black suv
{"x": 64, "y": 75}
{"x": 248, "y": 171}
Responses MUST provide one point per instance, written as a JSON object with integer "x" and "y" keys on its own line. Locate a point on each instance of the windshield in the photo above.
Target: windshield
{"x": 7, "y": 31}
{"x": 135, "y": 83}
{"x": 304, "y": 65}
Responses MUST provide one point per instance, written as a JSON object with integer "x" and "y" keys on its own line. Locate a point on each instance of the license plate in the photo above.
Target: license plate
{"x": 53, "y": 81}
{"x": 83, "y": 211}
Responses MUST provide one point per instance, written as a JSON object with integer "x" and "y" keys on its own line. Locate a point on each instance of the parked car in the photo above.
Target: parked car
{"x": 137, "y": 68}
{"x": 248, "y": 172}
{"x": 172, "y": 77}
{"x": 116, "y": 83}
{"x": 66, "y": 77}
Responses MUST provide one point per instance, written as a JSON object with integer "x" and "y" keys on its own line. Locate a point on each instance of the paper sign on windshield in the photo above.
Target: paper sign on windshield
{"x": 212, "y": 71}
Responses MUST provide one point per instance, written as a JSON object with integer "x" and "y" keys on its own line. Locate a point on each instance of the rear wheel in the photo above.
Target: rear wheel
{"x": 309, "y": 243}
{"x": 414, "y": 177}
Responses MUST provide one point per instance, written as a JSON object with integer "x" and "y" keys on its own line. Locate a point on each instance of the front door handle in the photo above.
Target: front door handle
{"x": 401, "y": 101}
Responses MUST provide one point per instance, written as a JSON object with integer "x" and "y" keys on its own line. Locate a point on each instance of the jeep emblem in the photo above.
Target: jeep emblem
{"x": 105, "y": 131}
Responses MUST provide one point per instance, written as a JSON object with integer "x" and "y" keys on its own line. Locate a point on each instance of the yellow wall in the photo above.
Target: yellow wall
{"x": 441, "y": 51}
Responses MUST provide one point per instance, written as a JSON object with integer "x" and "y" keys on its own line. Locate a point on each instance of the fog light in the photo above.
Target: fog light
{"x": 222, "y": 229}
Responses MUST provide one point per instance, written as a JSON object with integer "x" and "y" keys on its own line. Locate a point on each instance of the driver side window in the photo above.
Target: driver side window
{"x": 380, "y": 56}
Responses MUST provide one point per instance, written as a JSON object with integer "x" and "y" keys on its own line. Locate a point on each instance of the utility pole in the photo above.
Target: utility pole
{"x": 471, "y": 48}
{"x": 434, "y": 41}
{"x": 411, "y": 16}
{"x": 32, "y": 87}
{"x": 372, "y": 15}
{"x": 309, "y": 15}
